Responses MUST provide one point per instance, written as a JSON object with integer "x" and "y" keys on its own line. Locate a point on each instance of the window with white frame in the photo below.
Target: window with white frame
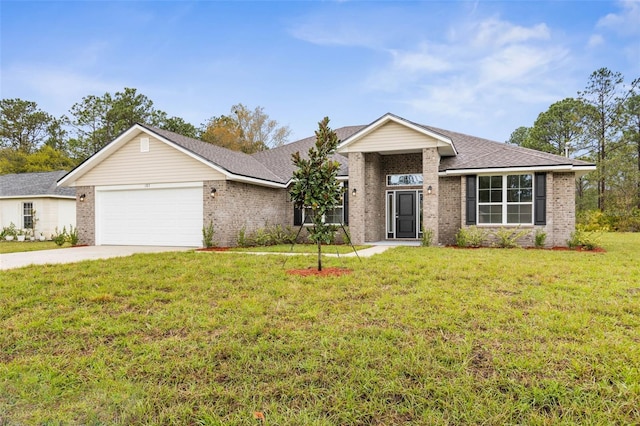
{"x": 27, "y": 215}
{"x": 335, "y": 216}
{"x": 505, "y": 199}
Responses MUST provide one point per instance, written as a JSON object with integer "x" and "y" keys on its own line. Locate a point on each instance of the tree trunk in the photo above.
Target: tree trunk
{"x": 319, "y": 256}
{"x": 638, "y": 176}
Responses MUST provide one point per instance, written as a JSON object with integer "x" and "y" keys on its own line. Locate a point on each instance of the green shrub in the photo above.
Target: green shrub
{"x": 72, "y": 236}
{"x": 207, "y": 235}
{"x": 9, "y": 231}
{"x": 581, "y": 237}
{"x": 471, "y": 237}
{"x": 270, "y": 235}
{"x": 508, "y": 238}
{"x": 59, "y": 237}
{"x": 427, "y": 237}
{"x": 242, "y": 238}
{"x": 539, "y": 238}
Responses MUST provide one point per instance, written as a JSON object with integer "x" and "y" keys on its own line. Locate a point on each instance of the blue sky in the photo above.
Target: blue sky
{"x": 482, "y": 68}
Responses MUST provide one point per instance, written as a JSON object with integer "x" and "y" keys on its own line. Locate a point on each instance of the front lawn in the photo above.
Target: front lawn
{"x": 415, "y": 335}
{"x": 302, "y": 248}
{"x": 18, "y": 246}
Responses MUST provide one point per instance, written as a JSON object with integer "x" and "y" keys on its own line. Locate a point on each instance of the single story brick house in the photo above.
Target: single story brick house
{"x": 154, "y": 187}
{"x": 35, "y": 199}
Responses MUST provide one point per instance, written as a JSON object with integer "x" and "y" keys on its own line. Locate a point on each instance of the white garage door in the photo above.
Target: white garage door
{"x": 150, "y": 217}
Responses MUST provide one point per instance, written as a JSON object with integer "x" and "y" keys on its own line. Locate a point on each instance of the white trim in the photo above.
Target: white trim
{"x": 443, "y": 141}
{"x": 505, "y": 203}
{"x": 149, "y": 186}
{"x": 418, "y": 212}
{"x": 518, "y": 170}
{"x": 15, "y": 197}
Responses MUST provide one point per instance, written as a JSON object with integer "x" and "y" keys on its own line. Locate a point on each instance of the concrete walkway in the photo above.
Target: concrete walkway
{"x": 76, "y": 254}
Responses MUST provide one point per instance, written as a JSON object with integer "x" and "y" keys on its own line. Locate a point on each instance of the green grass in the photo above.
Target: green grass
{"x": 302, "y": 248}
{"x": 19, "y": 246}
{"x": 416, "y": 335}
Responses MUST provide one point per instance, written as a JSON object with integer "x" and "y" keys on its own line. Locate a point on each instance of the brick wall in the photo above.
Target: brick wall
{"x": 430, "y": 202}
{"x": 357, "y": 202}
{"x": 450, "y": 218}
{"x": 86, "y": 215}
{"x": 237, "y": 205}
{"x": 561, "y": 207}
{"x": 374, "y": 198}
{"x": 400, "y": 164}
{"x": 560, "y": 217}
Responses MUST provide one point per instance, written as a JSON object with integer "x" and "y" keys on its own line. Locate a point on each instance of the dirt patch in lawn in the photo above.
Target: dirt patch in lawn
{"x": 214, "y": 249}
{"x": 326, "y": 272}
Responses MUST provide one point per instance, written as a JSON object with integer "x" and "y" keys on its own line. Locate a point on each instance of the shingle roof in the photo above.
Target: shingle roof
{"x": 34, "y": 184}
{"x": 275, "y": 165}
{"x": 235, "y": 162}
{"x": 479, "y": 153}
{"x": 279, "y": 159}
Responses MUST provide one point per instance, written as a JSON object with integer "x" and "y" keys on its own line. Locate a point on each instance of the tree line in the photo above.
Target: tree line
{"x": 32, "y": 140}
{"x": 600, "y": 125}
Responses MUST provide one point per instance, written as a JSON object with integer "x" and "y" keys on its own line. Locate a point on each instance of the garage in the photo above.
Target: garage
{"x": 167, "y": 215}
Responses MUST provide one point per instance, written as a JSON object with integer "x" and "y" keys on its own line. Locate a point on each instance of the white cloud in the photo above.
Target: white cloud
{"x": 595, "y": 40}
{"x": 496, "y": 33}
{"x": 61, "y": 86}
{"x": 627, "y": 22}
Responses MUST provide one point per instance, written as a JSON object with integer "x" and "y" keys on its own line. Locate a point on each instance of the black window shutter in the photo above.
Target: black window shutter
{"x": 540, "y": 201}
{"x": 297, "y": 216}
{"x": 345, "y": 203}
{"x": 471, "y": 200}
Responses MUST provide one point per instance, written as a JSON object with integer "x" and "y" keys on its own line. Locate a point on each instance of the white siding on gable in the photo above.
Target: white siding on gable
{"x": 161, "y": 163}
{"x": 392, "y": 137}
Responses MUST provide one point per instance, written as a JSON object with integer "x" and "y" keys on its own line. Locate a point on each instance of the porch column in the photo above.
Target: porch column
{"x": 430, "y": 205}
{"x": 356, "y": 197}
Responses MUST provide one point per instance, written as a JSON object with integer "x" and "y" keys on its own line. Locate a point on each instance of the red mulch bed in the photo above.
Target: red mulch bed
{"x": 326, "y": 272}
{"x": 556, "y": 248}
{"x": 214, "y": 249}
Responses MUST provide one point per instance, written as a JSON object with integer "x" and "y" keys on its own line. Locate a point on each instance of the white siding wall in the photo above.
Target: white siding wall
{"x": 393, "y": 136}
{"x": 161, "y": 164}
{"x": 50, "y": 212}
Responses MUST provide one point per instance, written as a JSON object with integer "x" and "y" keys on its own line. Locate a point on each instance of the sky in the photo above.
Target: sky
{"x": 478, "y": 67}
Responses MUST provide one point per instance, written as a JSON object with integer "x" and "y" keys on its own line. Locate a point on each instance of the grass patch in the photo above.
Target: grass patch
{"x": 416, "y": 335}
{"x": 21, "y": 246}
{"x": 302, "y": 248}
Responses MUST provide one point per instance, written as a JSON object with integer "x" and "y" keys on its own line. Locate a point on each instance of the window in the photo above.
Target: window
{"x": 505, "y": 199}
{"x": 404, "y": 180}
{"x": 27, "y": 215}
{"x": 334, "y": 216}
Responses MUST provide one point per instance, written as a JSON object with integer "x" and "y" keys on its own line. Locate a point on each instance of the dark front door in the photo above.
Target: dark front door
{"x": 406, "y": 214}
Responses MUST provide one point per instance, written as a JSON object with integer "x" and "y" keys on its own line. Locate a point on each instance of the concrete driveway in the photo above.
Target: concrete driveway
{"x": 77, "y": 254}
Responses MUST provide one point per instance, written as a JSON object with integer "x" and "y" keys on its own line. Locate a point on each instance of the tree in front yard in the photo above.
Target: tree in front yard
{"x": 315, "y": 188}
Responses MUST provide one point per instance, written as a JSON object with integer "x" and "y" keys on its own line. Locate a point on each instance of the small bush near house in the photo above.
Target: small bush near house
{"x": 59, "y": 237}
{"x": 471, "y": 237}
{"x": 9, "y": 231}
{"x": 539, "y": 238}
{"x": 427, "y": 237}
{"x": 508, "y": 238}
{"x": 587, "y": 239}
{"x": 270, "y": 235}
{"x": 72, "y": 236}
{"x": 207, "y": 235}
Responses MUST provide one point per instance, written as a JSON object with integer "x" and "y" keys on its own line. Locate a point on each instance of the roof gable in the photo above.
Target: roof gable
{"x": 391, "y": 134}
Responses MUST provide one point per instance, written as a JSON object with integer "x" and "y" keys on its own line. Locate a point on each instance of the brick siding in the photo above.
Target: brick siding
{"x": 86, "y": 215}
{"x": 237, "y": 205}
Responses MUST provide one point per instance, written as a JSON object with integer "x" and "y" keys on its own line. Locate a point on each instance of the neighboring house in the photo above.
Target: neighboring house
{"x": 28, "y": 199}
{"x": 154, "y": 187}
